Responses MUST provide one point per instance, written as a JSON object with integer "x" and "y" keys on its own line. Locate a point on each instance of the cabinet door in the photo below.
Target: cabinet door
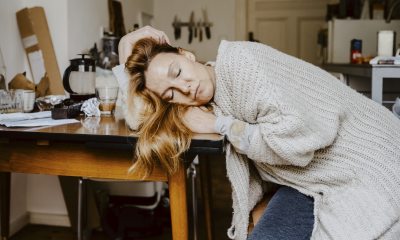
{"x": 290, "y": 26}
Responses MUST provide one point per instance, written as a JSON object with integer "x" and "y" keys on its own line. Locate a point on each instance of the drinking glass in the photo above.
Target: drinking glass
{"x": 107, "y": 96}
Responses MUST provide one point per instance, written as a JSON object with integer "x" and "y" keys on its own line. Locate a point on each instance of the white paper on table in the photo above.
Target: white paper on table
{"x": 12, "y": 117}
{"x": 40, "y": 122}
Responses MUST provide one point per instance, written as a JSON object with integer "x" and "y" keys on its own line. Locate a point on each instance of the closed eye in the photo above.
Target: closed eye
{"x": 179, "y": 72}
{"x": 172, "y": 95}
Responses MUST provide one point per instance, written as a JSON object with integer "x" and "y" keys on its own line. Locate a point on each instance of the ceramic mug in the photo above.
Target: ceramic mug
{"x": 28, "y": 98}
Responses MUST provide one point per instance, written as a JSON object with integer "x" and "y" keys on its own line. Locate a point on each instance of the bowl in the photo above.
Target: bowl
{"x": 48, "y": 102}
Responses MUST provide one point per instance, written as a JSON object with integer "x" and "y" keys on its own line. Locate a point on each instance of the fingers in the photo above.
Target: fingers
{"x": 128, "y": 41}
{"x": 167, "y": 39}
{"x": 158, "y": 35}
{"x": 199, "y": 121}
{"x": 164, "y": 39}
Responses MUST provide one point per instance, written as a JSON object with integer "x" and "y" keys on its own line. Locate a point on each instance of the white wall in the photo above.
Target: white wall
{"x": 131, "y": 9}
{"x": 57, "y": 20}
{"x": 221, "y": 13}
{"x": 23, "y": 198}
{"x": 13, "y": 55}
{"x": 341, "y": 32}
{"x": 43, "y": 185}
{"x": 10, "y": 43}
{"x": 85, "y": 19}
{"x": 74, "y": 27}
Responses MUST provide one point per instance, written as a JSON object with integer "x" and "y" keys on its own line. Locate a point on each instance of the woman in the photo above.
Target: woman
{"x": 335, "y": 153}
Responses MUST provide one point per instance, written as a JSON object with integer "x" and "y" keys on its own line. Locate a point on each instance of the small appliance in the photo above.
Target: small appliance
{"x": 80, "y": 78}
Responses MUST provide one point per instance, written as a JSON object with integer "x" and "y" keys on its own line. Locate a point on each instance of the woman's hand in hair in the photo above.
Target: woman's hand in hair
{"x": 200, "y": 120}
{"x": 127, "y": 42}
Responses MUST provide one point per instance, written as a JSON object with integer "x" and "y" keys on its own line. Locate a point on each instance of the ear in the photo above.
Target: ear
{"x": 187, "y": 54}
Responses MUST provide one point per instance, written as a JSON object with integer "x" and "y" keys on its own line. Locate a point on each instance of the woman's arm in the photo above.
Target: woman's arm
{"x": 237, "y": 132}
{"x": 200, "y": 120}
{"x": 287, "y": 138}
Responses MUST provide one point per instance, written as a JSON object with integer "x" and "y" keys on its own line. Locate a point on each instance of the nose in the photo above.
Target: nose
{"x": 183, "y": 86}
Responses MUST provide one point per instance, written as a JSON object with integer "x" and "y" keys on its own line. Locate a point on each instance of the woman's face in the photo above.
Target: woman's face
{"x": 178, "y": 78}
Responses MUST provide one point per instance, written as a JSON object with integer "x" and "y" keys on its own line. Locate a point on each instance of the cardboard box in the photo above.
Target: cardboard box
{"x": 38, "y": 46}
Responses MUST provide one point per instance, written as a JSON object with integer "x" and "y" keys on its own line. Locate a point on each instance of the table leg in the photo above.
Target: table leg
{"x": 177, "y": 194}
{"x": 5, "y": 182}
{"x": 206, "y": 193}
{"x": 70, "y": 188}
{"x": 81, "y": 220}
{"x": 377, "y": 86}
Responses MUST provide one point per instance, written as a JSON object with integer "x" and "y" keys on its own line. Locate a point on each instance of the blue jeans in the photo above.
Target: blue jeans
{"x": 288, "y": 216}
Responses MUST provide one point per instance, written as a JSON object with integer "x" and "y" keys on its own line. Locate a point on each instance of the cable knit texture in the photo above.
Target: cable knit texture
{"x": 314, "y": 134}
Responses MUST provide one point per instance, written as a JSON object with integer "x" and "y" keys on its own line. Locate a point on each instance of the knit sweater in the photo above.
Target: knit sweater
{"x": 314, "y": 134}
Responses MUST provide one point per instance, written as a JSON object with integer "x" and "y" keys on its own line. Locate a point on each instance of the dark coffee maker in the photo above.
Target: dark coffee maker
{"x": 80, "y": 78}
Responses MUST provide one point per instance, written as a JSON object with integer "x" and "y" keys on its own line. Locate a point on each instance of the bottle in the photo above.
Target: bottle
{"x": 356, "y": 51}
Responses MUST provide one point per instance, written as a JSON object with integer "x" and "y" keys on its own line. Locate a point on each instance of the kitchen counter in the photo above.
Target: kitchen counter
{"x": 349, "y": 70}
{"x": 375, "y": 73}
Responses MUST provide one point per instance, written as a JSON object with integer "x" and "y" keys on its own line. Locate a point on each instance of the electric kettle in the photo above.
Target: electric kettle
{"x": 80, "y": 77}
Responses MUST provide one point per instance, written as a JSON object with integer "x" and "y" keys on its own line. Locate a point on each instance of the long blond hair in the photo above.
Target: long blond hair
{"x": 162, "y": 136}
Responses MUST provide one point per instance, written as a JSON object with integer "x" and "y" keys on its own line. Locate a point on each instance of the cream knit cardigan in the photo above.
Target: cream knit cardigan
{"x": 314, "y": 134}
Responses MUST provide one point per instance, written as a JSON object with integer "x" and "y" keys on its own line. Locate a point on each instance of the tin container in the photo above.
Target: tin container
{"x": 356, "y": 51}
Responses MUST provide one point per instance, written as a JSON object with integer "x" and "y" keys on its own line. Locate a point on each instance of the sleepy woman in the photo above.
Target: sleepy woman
{"x": 332, "y": 154}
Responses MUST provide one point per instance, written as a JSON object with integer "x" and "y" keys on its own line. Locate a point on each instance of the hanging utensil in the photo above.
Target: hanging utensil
{"x": 177, "y": 28}
{"x": 191, "y": 27}
{"x": 196, "y": 28}
{"x": 207, "y": 24}
{"x": 200, "y": 31}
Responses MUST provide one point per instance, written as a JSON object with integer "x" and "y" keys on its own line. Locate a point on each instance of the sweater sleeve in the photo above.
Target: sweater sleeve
{"x": 287, "y": 135}
{"x": 288, "y": 101}
{"x": 237, "y": 132}
{"x": 122, "y": 78}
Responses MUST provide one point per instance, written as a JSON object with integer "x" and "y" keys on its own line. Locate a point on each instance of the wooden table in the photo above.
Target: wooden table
{"x": 93, "y": 148}
{"x": 349, "y": 70}
{"x": 375, "y": 73}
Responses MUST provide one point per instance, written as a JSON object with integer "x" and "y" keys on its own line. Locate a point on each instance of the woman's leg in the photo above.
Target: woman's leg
{"x": 289, "y": 215}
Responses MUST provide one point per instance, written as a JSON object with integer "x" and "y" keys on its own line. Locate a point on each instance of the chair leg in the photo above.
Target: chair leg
{"x": 81, "y": 208}
{"x": 206, "y": 186}
{"x": 192, "y": 174}
{"x": 5, "y": 182}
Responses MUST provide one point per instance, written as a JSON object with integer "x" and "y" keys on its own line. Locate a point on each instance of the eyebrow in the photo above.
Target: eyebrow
{"x": 170, "y": 69}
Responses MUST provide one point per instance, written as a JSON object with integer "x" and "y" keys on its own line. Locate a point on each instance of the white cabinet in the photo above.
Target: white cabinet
{"x": 341, "y": 32}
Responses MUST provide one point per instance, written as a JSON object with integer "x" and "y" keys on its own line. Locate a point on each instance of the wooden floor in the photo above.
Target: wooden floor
{"x": 42, "y": 232}
{"x": 221, "y": 210}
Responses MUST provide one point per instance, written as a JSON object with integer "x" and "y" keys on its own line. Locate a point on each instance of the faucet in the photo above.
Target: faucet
{"x": 395, "y": 4}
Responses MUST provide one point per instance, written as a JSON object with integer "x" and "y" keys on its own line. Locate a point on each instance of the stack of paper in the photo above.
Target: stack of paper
{"x": 32, "y": 119}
